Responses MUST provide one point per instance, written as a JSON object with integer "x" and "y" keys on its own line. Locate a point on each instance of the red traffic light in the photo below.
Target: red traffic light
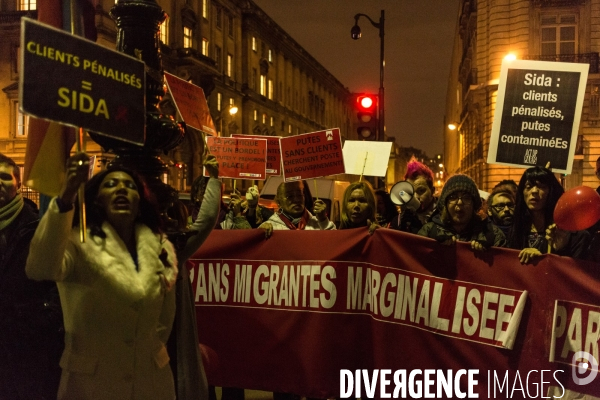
{"x": 366, "y": 112}
{"x": 366, "y": 102}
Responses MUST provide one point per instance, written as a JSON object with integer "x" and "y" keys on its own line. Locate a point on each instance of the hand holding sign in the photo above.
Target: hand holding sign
{"x": 212, "y": 165}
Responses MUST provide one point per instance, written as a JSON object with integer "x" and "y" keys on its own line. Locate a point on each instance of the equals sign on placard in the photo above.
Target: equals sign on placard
{"x": 85, "y": 85}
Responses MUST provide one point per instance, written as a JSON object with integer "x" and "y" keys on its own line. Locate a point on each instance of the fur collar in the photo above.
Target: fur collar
{"x": 112, "y": 266}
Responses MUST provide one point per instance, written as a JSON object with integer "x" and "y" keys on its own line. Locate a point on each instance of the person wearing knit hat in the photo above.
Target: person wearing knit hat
{"x": 456, "y": 218}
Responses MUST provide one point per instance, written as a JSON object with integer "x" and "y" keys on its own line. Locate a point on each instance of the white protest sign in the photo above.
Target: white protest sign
{"x": 366, "y": 157}
{"x": 537, "y": 115}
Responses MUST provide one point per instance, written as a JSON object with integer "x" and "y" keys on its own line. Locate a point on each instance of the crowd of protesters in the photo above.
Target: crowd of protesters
{"x": 127, "y": 310}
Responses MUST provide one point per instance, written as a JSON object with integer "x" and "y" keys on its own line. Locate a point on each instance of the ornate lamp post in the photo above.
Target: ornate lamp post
{"x": 356, "y": 34}
{"x": 138, "y": 23}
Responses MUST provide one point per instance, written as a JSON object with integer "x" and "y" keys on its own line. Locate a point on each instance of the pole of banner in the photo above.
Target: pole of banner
{"x": 316, "y": 191}
{"x": 80, "y": 148}
{"x": 364, "y": 165}
{"x": 549, "y": 241}
{"x": 234, "y": 181}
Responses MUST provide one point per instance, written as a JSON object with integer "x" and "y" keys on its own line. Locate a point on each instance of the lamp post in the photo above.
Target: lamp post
{"x": 355, "y": 32}
{"x": 232, "y": 110}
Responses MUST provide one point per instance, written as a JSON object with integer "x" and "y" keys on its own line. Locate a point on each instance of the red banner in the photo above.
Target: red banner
{"x": 239, "y": 158}
{"x": 302, "y": 311}
{"x": 312, "y": 155}
{"x": 273, "y": 152}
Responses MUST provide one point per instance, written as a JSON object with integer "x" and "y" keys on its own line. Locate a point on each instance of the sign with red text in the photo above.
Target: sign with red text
{"x": 273, "y": 152}
{"x": 77, "y": 82}
{"x": 312, "y": 155}
{"x": 339, "y": 301}
{"x": 191, "y": 104}
{"x": 537, "y": 114}
{"x": 239, "y": 158}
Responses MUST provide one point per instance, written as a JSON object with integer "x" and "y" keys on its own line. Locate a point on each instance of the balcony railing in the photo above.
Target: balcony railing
{"x": 589, "y": 58}
{"x": 11, "y": 17}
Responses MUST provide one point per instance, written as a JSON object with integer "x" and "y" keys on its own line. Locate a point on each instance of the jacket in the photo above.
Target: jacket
{"x": 485, "y": 232}
{"x": 31, "y": 334}
{"x": 312, "y": 223}
{"x": 117, "y": 320}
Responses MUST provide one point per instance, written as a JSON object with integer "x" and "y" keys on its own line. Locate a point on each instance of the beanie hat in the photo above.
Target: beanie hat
{"x": 460, "y": 183}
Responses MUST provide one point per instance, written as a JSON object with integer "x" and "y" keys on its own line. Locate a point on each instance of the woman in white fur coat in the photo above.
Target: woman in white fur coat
{"x": 115, "y": 289}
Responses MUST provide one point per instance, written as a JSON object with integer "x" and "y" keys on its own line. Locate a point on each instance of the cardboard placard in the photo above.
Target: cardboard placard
{"x": 273, "y": 152}
{"x": 191, "y": 104}
{"x": 537, "y": 115}
{"x": 239, "y": 158}
{"x": 77, "y": 82}
{"x": 312, "y": 155}
{"x": 366, "y": 157}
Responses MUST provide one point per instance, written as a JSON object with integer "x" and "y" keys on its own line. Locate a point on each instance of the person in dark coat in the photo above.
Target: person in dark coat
{"x": 31, "y": 333}
{"x": 456, "y": 218}
{"x": 533, "y": 222}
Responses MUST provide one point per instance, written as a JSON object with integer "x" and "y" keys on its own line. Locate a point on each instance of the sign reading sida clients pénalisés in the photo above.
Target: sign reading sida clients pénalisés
{"x": 312, "y": 155}
{"x": 74, "y": 81}
{"x": 239, "y": 158}
{"x": 537, "y": 115}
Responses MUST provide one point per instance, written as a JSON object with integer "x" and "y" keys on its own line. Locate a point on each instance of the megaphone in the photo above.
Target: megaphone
{"x": 402, "y": 194}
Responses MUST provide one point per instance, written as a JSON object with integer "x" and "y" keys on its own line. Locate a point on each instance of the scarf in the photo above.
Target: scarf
{"x": 294, "y": 223}
{"x": 9, "y": 212}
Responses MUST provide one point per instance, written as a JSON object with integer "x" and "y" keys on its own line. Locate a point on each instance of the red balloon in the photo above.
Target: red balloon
{"x": 577, "y": 209}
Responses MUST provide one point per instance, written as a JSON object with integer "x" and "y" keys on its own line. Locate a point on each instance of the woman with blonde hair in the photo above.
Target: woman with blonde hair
{"x": 359, "y": 207}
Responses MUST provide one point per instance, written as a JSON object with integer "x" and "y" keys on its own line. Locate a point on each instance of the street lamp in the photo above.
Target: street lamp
{"x": 356, "y": 33}
{"x": 232, "y": 110}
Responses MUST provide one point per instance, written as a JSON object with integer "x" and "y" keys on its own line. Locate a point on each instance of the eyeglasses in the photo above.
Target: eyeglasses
{"x": 501, "y": 206}
{"x": 293, "y": 195}
{"x": 467, "y": 199}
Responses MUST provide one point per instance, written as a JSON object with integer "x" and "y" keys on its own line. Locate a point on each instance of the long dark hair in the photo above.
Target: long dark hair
{"x": 369, "y": 194}
{"x": 390, "y": 208}
{"x": 522, "y": 219}
{"x": 148, "y": 209}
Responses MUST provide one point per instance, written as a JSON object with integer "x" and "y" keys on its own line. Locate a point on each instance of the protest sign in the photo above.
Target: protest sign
{"x": 326, "y": 301}
{"x": 537, "y": 115}
{"x": 239, "y": 158}
{"x": 312, "y": 155}
{"x": 191, "y": 104}
{"x": 77, "y": 82}
{"x": 273, "y": 152}
{"x": 366, "y": 157}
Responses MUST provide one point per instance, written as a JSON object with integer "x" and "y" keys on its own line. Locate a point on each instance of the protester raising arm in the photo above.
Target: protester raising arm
{"x": 115, "y": 289}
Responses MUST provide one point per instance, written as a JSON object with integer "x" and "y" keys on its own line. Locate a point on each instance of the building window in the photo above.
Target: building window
{"x": 270, "y": 89}
{"x": 264, "y": 119}
{"x": 229, "y": 65}
{"x": 218, "y": 57}
{"x": 256, "y": 115}
{"x": 219, "y": 101}
{"x": 25, "y": 5}
{"x": 188, "y": 34}
{"x": 559, "y": 34}
{"x": 253, "y": 79}
{"x": 204, "y": 46}
{"x": 21, "y": 122}
{"x": 263, "y": 84}
{"x": 272, "y": 122}
{"x": 230, "y": 26}
{"x": 164, "y": 31}
{"x": 290, "y": 129}
{"x": 253, "y": 43}
{"x": 205, "y": 9}
{"x": 270, "y": 55}
{"x": 231, "y": 103}
{"x": 219, "y": 17}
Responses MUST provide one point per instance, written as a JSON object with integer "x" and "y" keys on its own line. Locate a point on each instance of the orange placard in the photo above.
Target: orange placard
{"x": 191, "y": 104}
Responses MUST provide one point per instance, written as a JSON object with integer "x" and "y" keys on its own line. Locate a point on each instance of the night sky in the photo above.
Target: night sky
{"x": 418, "y": 47}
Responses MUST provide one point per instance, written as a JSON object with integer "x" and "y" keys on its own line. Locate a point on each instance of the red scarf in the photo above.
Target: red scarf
{"x": 301, "y": 224}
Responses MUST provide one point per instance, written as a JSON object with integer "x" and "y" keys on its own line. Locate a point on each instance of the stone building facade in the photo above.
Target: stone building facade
{"x": 230, "y": 48}
{"x": 488, "y": 30}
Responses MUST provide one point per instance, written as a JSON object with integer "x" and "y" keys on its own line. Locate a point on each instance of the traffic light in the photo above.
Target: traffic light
{"x": 366, "y": 111}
